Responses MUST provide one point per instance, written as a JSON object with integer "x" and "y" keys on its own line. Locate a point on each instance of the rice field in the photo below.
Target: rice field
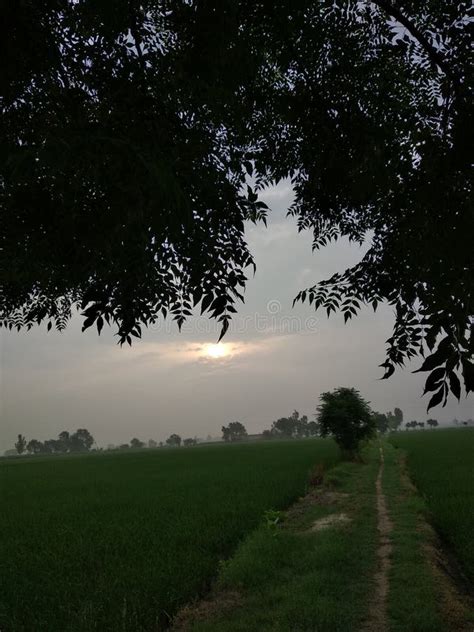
{"x": 441, "y": 464}
{"x": 119, "y": 541}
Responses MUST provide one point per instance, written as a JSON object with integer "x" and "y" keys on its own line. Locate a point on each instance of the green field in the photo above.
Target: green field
{"x": 120, "y": 541}
{"x": 441, "y": 464}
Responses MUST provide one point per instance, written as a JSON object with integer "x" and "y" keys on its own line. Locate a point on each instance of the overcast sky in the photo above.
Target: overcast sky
{"x": 277, "y": 359}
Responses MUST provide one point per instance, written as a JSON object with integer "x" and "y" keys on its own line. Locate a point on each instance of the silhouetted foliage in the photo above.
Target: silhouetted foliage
{"x": 20, "y": 445}
{"x": 292, "y": 427}
{"x": 152, "y": 443}
{"x": 189, "y": 442}
{"x": 79, "y": 441}
{"x": 137, "y": 137}
{"x": 235, "y": 431}
{"x": 381, "y": 422}
{"x": 346, "y": 416}
{"x": 35, "y": 447}
{"x": 174, "y": 440}
{"x": 136, "y": 443}
{"x": 433, "y": 423}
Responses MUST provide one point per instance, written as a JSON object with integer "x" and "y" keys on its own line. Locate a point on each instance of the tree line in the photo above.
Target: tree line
{"x": 341, "y": 413}
{"x": 79, "y": 441}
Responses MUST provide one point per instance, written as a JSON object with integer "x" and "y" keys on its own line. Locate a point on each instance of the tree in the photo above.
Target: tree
{"x": 81, "y": 441}
{"x": 267, "y": 434}
{"x": 291, "y": 426}
{"x": 364, "y": 106}
{"x": 381, "y": 422}
{"x": 422, "y": 425}
{"x": 174, "y": 440}
{"x": 152, "y": 444}
{"x": 302, "y": 429}
{"x": 136, "y": 443}
{"x": 397, "y": 418}
{"x": 346, "y": 416}
{"x": 52, "y": 446}
{"x": 64, "y": 439}
{"x": 189, "y": 442}
{"x": 20, "y": 444}
{"x": 313, "y": 429}
{"x": 235, "y": 431}
{"x": 433, "y": 423}
{"x": 35, "y": 447}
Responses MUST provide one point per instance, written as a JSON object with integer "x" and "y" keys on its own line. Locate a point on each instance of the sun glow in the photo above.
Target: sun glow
{"x": 216, "y": 351}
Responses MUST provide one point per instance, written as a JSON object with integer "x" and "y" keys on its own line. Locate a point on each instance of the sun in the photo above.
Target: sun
{"x": 216, "y": 351}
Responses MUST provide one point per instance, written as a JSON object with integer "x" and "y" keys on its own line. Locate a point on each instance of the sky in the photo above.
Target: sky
{"x": 277, "y": 359}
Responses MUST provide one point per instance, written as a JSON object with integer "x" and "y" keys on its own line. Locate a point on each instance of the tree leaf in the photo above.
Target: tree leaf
{"x": 436, "y": 399}
{"x": 455, "y": 385}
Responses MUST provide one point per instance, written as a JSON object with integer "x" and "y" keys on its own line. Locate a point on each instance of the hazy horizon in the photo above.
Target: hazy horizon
{"x": 278, "y": 359}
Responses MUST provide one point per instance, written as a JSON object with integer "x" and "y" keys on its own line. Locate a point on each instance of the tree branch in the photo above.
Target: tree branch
{"x": 435, "y": 56}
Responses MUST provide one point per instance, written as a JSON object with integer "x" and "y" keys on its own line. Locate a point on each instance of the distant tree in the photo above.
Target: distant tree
{"x": 123, "y": 446}
{"x": 10, "y": 452}
{"x": 52, "y": 446}
{"x": 136, "y": 443}
{"x": 394, "y": 419}
{"x": 398, "y": 418}
{"x": 81, "y": 441}
{"x": 381, "y": 422}
{"x": 433, "y": 423}
{"x": 35, "y": 447}
{"x": 110, "y": 446}
{"x": 161, "y": 444}
{"x": 291, "y": 426}
{"x": 422, "y": 425}
{"x": 152, "y": 443}
{"x": 267, "y": 434}
{"x": 313, "y": 429}
{"x": 20, "y": 444}
{"x": 174, "y": 440}
{"x": 301, "y": 427}
{"x": 345, "y": 415}
{"x": 189, "y": 442}
{"x": 64, "y": 438}
{"x": 235, "y": 431}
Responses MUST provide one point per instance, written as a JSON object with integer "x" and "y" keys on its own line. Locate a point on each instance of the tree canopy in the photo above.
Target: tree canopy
{"x": 235, "y": 431}
{"x": 137, "y": 137}
{"x": 346, "y": 416}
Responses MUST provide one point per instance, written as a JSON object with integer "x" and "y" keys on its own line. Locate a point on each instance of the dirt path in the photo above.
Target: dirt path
{"x": 377, "y": 621}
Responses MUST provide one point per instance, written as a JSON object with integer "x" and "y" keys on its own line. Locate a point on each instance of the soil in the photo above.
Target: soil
{"x": 333, "y": 520}
{"x": 378, "y": 620}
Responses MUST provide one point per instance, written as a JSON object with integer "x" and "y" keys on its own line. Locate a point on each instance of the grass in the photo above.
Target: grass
{"x": 119, "y": 542}
{"x": 441, "y": 464}
{"x": 300, "y": 580}
{"x": 412, "y": 602}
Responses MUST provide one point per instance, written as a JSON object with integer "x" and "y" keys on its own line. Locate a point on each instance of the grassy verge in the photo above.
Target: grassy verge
{"x": 425, "y": 595}
{"x": 441, "y": 465}
{"x": 412, "y": 603}
{"x": 293, "y": 578}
